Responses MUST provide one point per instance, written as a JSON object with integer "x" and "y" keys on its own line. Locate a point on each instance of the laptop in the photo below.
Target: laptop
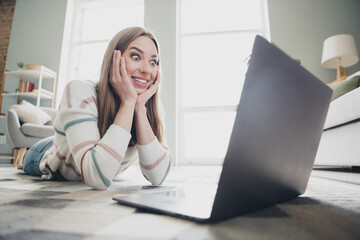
{"x": 272, "y": 147}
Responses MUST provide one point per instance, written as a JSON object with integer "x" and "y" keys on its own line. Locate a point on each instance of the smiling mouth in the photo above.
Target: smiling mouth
{"x": 140, "y": 80}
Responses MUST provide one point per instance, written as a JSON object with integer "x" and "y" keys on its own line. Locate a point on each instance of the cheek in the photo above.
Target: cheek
{"x": 129, "y": 66}
{"x": 154, "y": 74}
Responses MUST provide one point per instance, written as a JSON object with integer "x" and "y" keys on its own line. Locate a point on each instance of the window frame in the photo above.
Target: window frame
{"x": 264, "y": 30}
{"x": 78, "y": 8}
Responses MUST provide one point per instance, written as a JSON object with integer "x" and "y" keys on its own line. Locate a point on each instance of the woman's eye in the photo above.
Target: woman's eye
{"x": 153, "y": 63}
{"x": 135, "y": 57}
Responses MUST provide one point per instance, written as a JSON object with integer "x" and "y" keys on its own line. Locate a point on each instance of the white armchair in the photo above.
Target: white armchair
{"x": 24, "y": 135}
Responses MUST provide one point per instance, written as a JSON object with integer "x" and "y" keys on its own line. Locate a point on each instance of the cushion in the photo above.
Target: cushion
{"x": 36, "y": 130}
{"x": 29, "y": 113}
{"x": 344, "y": 87}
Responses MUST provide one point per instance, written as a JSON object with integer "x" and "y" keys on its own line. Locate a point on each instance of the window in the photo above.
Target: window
{"x": 215, "y": 40}
{"x": 95, "y": 22}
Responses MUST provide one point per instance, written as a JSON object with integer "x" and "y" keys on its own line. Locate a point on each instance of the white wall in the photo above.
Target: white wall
{"x": 300, "y": 28}
{"x": 160, "y": 18}
{"x": 36, "y": 34}
{"x": 36, "y": 38}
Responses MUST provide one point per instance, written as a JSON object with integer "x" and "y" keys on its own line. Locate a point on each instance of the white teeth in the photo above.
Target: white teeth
{"x": 140, "y": 80}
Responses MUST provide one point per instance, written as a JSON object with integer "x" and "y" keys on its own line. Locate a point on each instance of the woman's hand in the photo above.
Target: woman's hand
{"x": 145, "y": 96}
{"x": 120, "y": 81}
{"x": 144, "y": 132}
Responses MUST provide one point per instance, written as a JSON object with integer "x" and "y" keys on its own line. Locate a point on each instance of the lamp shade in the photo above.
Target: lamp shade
{"x": 339, "y": 50}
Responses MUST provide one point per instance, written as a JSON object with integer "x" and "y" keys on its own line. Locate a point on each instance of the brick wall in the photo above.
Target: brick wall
{"x": 6, "y": 16}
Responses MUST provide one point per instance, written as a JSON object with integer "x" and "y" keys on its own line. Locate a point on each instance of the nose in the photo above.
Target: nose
{"x": 145, "y": 68}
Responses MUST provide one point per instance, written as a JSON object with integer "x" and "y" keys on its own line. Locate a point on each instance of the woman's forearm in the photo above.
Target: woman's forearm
{"x": 125, "y": 115}
{"x": 144, "y": 132}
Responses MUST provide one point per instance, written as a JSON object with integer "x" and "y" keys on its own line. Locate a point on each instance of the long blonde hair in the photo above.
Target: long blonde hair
{"x": 109, "y": 102}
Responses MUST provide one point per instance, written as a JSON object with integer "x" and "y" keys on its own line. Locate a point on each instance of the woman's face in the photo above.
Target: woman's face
{"x": 141, "y": 63}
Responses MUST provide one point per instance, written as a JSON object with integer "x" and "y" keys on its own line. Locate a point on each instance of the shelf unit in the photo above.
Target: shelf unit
{"x": 40, "y": 76}
{"x": 35, "y": 75}
{"x": 5, "y": 154}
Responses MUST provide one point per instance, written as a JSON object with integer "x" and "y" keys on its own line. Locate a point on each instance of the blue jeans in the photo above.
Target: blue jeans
{"x": 34, "y": 155}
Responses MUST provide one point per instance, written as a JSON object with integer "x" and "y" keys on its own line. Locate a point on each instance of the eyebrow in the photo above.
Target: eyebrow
{"x": 142, "y": 52}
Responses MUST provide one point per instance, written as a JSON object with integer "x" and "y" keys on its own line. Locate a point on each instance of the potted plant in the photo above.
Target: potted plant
{"x": 20, "y": 65}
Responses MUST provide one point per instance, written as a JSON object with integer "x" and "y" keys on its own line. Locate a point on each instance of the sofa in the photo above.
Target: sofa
{"x": 339, "y": 144}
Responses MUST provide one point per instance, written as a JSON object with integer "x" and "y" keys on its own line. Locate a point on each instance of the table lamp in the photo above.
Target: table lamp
{"x": 339, "y": 51}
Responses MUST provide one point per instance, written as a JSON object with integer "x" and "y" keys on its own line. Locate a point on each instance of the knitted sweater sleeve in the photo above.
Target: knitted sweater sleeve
{"x": 98, "y": 159}
{"x": 155, "y": 161}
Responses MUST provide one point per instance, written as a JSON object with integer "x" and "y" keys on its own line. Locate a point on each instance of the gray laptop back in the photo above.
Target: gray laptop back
{"x": 274, "y": 141}
{"x": 276, "y": 134}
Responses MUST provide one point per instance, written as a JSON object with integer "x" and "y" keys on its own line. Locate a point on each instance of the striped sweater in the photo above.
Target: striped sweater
{"x": 79, "y": 153}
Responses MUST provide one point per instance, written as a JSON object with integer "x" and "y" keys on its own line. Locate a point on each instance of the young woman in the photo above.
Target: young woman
{"x": 101, "y": 129}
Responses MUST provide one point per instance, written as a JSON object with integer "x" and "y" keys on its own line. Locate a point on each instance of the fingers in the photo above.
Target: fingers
{"x": 158, "y": 76}
{"x": 158, "y": 79}
{"x": 150, "y": 91}
{"x": 118, "y": 69}
{"x": 115, "y": 65}
{"x": 153, "y": 88}
{"x": 156, "y": 83}
{"x": 119, "y": 65}
{"x": 144, "y": 97}
{"x": 123, "y": 67}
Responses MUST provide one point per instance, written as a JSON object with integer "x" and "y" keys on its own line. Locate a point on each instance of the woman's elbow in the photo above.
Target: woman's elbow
{"x": 98, "y": 185}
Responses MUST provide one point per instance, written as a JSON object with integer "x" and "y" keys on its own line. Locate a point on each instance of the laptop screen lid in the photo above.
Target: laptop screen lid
{"x": 276, "y": 134}
{"x": 273, "y": 144}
